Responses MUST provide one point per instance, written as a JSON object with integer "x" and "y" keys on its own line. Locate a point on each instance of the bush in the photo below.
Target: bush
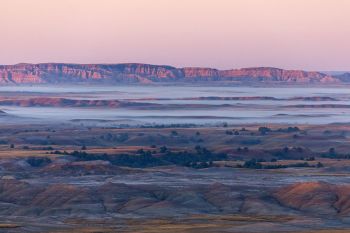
{"x": 38, "y": 161}
{"x": 163, "y": 149}
{"x": 256, "y": 164}
{"x": 264, "y": 130}
{"x": 250, "y": 142}
{"x": 174, "y": 133}
{"x": 253, "y": 164}
{"x": 228, "y": 132}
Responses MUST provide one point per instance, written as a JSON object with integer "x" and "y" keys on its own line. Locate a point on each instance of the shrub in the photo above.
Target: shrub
{"x": 264, "y": 130}
{"x": 38, "y": 161}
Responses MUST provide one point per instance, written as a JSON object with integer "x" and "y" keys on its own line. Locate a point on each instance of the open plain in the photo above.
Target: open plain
{"x": 174, "y": 159}
{"x": 200, "y": 179}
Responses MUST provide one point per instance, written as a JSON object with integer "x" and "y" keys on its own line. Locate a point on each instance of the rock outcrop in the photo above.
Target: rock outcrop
{"x": 52, "y": 73}
{"x": 316, "y": 197}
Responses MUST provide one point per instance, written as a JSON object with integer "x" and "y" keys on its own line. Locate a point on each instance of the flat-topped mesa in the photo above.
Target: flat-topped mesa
{"x": 144, "y": 73}
{"x": 145, "y": 70}
{"x": 197, "y": 73}
{"x": 276, "y": 75}
{"x": 71, "y": 73}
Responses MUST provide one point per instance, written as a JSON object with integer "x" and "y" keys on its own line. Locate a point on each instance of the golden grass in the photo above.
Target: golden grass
{"x": 8, "y": 225}
{"x": 191, "y": 224}
{"x": 11, "y": 153}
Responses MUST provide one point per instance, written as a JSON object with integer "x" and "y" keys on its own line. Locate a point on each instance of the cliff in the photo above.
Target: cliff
{"x": 344, "y": 77}
{"x": 52, "y": 73}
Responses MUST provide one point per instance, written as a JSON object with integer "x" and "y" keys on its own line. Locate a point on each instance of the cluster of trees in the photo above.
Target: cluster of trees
{"x": 252, "y": 141}
{"x": 201, "y": 165}
{"x": 263, "y": 130}
{"x": 244, "y": 149}
{"x": 230, "y": 132}
{"x": 122, "y": 137}
{"x": 236, "y": 131}
{"x": 201, "y": 158}
{"x": 256, "y": 164}
{"x": 333, "y": 154}
{"x": 289, "y": 129}
{"x": 288, "y": 153}
{"x": 38, "y": 161}
{"x": 162, "y": 126}
{"x": 185, "y": 158}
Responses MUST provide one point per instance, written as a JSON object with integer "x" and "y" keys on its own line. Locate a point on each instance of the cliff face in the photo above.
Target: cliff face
{"x": 344, "y": 77}
{"x": 277, "y": 75}
{"x": 144, "y": 73}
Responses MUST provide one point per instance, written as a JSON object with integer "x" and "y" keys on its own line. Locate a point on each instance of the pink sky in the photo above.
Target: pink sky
{"x": 293, "y": 34}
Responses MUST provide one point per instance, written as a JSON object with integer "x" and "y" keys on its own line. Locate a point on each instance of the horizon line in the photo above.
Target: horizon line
{"x": 172, "y": 66}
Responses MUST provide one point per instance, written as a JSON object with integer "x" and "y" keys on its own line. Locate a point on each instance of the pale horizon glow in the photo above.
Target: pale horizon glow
{"x": 223, "y": 34}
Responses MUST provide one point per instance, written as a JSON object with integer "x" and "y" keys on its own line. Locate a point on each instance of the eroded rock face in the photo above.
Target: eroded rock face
{"x": 145, "y": 73}
{"x": 274, "y": 74}
{"x": 19, "y": 198}
{"x": 316, "y": 198}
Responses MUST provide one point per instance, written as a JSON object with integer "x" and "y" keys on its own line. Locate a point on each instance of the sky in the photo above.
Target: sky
{"x": 224, "y": 34}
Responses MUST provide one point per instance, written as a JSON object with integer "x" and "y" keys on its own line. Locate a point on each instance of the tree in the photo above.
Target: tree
{"x": 252, "y": 164}
{"x": 163, "y": 149}
{"x": 174, "y": 133}
{"x": 38, "y": 162}
{"x": 264, "y": 130}
{"x": 332, "y": 152}
{"x": 140, "y": 151}
{"x": 228, "y": 132}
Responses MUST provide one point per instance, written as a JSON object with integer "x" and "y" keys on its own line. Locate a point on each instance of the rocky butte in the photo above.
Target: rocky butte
{"x": 52, "y": 73}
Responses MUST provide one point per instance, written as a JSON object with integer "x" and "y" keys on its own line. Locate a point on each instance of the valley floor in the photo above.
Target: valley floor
{"x": 251, "y": 178}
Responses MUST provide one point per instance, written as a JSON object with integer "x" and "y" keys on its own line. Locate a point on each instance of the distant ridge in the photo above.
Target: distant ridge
{"x": 56, "y": 73}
